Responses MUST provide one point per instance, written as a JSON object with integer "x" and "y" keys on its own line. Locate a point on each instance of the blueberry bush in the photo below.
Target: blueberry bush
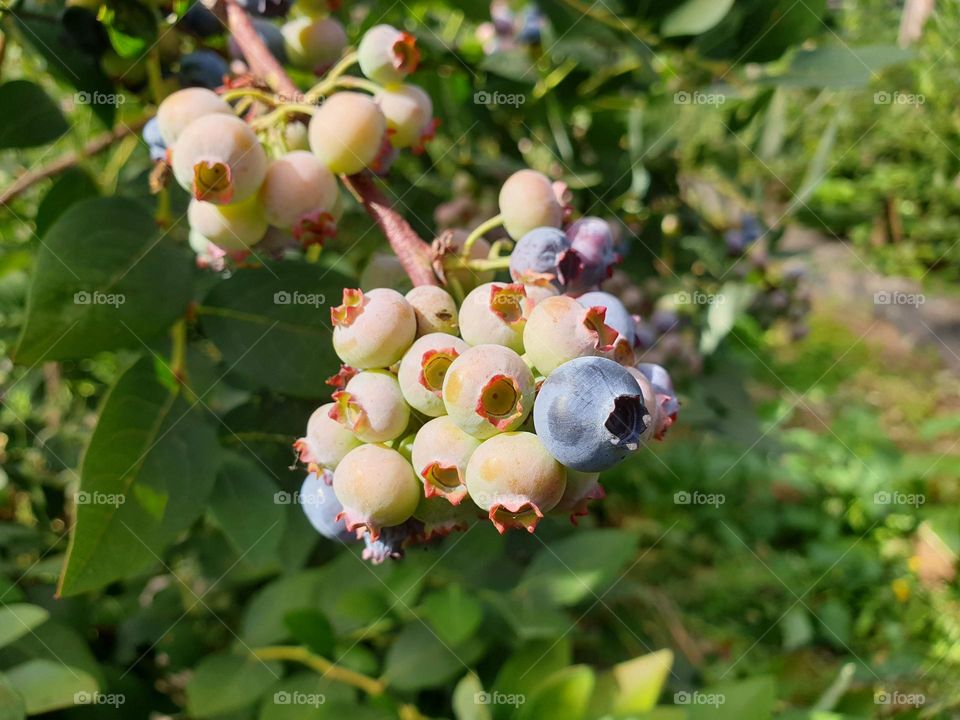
{"x": 341, "y": 345}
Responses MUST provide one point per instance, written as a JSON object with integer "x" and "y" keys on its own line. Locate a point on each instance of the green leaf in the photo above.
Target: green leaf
{"x": 530, "y": 665}
{"x": 725, "y": 308}
{"x": 418, "y": 659}
{"x": 753, "y": 698}
{"x": 640, "y": 681}
{"x": 45, "y": 685}
{"x": 840, "y": 66}
{"x": 146, "y": 475}
{"x": 452, "y": 613}
{"x": 12, "y": 706}
{"x": 30, "y": 118}
{"x": 59, "y": 642}
{"x": 132, "y": 27}
{"x": 694, "y": 17}
{"x": 226, "y": 682}
{"x": 562, "y": 696}
{"x": 796, "y": 629}
{"x": 572, "y": 569}
{"x": 73, "y": 185}
{"x": 467, "y": 696}
{"x": 17, "y": 619}
{"x": 311, "y": 628}
{"x": 95, "y": 285}
{"x": 244, "y": 507}
{"x": 272, "y": 325}
{"x": 306, "y": 696}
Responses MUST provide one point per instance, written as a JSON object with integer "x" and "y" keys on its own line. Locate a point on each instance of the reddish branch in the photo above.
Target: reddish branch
{"x": 411, "y": 250}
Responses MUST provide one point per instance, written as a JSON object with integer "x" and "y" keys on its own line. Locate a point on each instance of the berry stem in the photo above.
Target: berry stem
{"x": 254, "y": 93}
{"x": 325, "y": 86}
{"x": 354, "y": 83}
{"x": 479, "y": 231}
{"x": 258, "y": 57}
{"x": 323, "y": 666}
{"x": 412, "y": 252}
{"x": 455, "y": 262}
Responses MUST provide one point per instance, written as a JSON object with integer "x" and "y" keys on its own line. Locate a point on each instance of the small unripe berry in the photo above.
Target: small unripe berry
{"x": 387, "y": 55}
{"x": 514, "y": 478}
{"x": 527, "y": 201}
{"x": 297, "y": 193}
{"x": 232, "y": 227}
{"x": 581, "y": 488}
{"x": 313, "y": 45}
{"x": 440, "y": 454}
{"x": 590, "y": 415}
{"x": 371, "y": 406}
{"x": 183, "y": 107}
{"x": 326, "y": 441}
{"x": 409, "y": 113}
{"x": 440, "y": 518}
{"x": 384, "y": 270}
{"x": 435, "y": 309}
{"x": 373, "y": 329}
{"x": 538, "y": 293}
{"x": 592, "y": 241}
{"x": 322, "y": 508}
{"x": 377, "y": 489}
{"x": 496, "y": 314}
{"x": 218, "y": 158}
{"x": 347, "y": 132}
{"x": 560, "y": 329}
{"x": 666, "y": 397}
{"x": 203, "y": 68}
{"x": 488, "y": 389}
{"x": 423, "y": 368}
{"x": 540, "y": 256}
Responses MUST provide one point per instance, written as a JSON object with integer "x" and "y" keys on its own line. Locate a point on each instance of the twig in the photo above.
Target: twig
{"x": 258, "y": 57}
{"x": 412, "y": 252}
{"x": 322, "y": 666}
{"x": 68, "y": 160}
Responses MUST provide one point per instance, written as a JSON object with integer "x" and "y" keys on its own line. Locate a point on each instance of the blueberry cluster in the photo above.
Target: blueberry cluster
{"x": 506, "y": 406}
{"x": 275, "y": 175}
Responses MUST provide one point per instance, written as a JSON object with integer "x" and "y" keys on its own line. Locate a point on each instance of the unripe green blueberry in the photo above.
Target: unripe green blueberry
{"x": 326, "y": 441}
{"x": 409, "y": 113}
{"x": 423, "y": 368}
{"x": 440, "y": 454}
{"x": 440, "y": 518}
{"x": 581, "y": 488}
{"x": 313, "y": 44}
{"x": 372, "y": 406}
{"x": 347, "y": 132}
{"x": 373, "y": 329}
{"x": 436, "y": 310}
{"x": 494, "y": 313}
{"x": 466, "y": 278}
{"x": 183, "y": 107}
{"x": 514, "y": 478}
{"x": 218, "y": 158}
{"x": 297, "y": 193}
{"x": 232, "y": 227}
{"x": 528, "y": 201}
{"x": 387, "y": 55}
{"x": 376, "y": 487}
{"x": 296, "y": 137}
{"x": 488, "y": 389}
{"x": 560, "y": 329}
{"x": 384, "y": 270}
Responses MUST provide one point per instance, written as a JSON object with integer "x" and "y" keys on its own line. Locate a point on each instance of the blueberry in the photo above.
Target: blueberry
{"x": 589, "y": 414}
{"x": 538, "y": 256}
{"x": 663, "y": 385}
{"x": 152, "y": 137}
{"x": 321, "y": 507}
{"x": 266, "y": 8}
{"x": 617, "y": 317}
{"x": 203, "y": 68}
{"x": 392, "y": 541}
{"x": 200, "y": 21}
{"x": 271, "y": 36}
{"x": 592, "y": 240}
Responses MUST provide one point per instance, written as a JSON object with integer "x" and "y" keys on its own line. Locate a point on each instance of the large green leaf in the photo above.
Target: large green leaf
{"x": 12, "y": 706}
{"x": 103, "y": 280}
{"x": 147, "y": 474}
{"x": 564, "y": 695}
{"x": 272, "y": 325}
{"x": 452, "y": 613}
{"x": 753, "y": 698}
{"x": 574, "y": 568}
{"x": 70, "y": 188}
{"x": 419, "y": 659}
{"x": 307, "y": 696}
{"x": 529, "y": 666}
{"x": 640, "y": 681}
{"x": 227, "y": 682}
{"x": 694, "y": 17}
{"x": 30, "y": 117}
{"x": 46, "y": 685}
{"x": 840, "y": 66}
{"x": 468, "y": 698}
{"x": 17, "y": 619}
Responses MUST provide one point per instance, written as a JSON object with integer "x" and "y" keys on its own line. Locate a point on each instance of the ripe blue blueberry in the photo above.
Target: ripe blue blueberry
{"x": 321, "y": 507}
{"x": 199, "y": 20}
{"x": 153, "y": 138}
{"x": 203, "y": 68}
{"x": 266, "y": 8}
{"x": 589, "y": 414}
{"x": 538, "y": 257}
{"x": 271, "y": 36}
{"x": 592, "y": 241}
